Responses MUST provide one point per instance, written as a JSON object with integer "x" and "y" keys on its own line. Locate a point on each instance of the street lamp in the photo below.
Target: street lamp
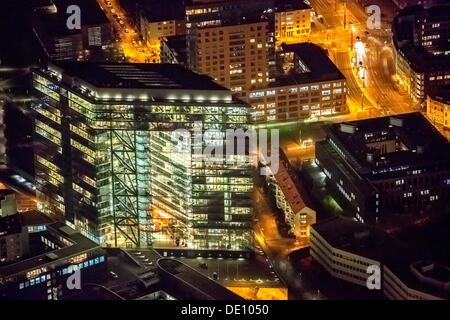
{"x": 362, "y": 73}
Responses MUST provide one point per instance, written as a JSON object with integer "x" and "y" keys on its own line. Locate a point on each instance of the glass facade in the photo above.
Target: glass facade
{"x": 118, "y": 171}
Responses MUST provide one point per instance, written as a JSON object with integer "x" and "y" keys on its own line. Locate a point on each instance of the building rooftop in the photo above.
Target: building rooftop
{"x": 419, "y": 143}
{"x": 420, "y": 60}
{"x": 290, "y": 5}
{"x": 10, "y": 224}
{"x": 360, "y": 182}
{"x": 373, "y": 243}
{"x": 78, "y": 244}
{"x": 208, "y": 288}
{"x": 157, "y": 10}
{"x": 33, "y": 218}
{"x": 432, "y": 13}
{"x": 228, "y": 11}
{"x": 138, "y": 76}
{"x": 426, "y": 3}
{"x": 441, "y": 94}
{"x": 320, "y": 67}
{"x": 404, "y": 31}
{"x": 55, "y": 23}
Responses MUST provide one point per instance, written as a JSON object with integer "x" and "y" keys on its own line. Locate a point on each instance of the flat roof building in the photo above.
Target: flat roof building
{"x": 43, "y": 276}
{"x": 108, "y": 160}
{"x": 422, "y": 50}
{"x": 142, "y": 274}
{"x": 61, "y": 43}
{"x": 308, "y": 84}
{"x": 192, "y": 284}
{"x": 347, "y": 249}
{"x": 385, "y": 166}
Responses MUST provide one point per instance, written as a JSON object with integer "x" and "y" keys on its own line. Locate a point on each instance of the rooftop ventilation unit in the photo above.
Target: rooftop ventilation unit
{"x": 348, "y": 128}
{"x": 398, "y": 122}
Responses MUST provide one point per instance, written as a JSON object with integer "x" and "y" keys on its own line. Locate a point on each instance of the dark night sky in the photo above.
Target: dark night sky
{"x": 17, "y": 46}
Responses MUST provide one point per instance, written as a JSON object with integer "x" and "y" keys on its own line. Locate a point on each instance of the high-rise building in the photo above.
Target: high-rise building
{"x": 233, "y": 42}
{"x": 236, "y": 56}
{"x": 110, "y": 162}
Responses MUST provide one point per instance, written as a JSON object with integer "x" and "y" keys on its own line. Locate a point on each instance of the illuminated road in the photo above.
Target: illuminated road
{"x": 379, "y": 95}
{"x": 277, "y": 249}
{"x": 133, "y": 47}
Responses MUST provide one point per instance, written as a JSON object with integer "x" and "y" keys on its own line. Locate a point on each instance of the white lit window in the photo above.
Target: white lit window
{"x": 257, "y": 94}
{"x": 303, "y": 89}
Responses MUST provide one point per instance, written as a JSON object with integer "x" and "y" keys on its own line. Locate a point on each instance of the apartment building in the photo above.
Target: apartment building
{"x": 290, "y": 198}
{"x": 232, "y": 42}
{"x": 235, "y": 56}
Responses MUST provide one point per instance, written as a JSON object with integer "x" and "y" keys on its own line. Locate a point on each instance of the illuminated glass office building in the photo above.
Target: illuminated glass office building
{"x": 109, "y": 162}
